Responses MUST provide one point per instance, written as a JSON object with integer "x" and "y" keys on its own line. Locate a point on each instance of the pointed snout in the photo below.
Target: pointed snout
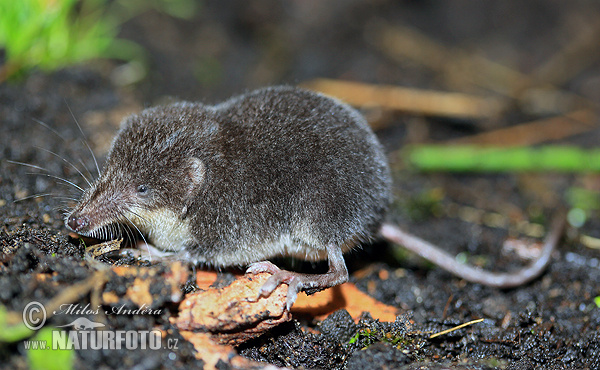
{"x": 77, "y": 223}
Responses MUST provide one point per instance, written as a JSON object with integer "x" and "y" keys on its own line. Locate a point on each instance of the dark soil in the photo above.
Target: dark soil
{"x": 229, "y": 47}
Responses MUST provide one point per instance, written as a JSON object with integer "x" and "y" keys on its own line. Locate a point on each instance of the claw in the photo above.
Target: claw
{"x": 293, "y": 281}
{"x": 293, "y": 288}
{"x": 263, "y": 266}
{"x": 277, "y": 278}
{"x": 297, "y": 282}
{"x": 269, "y": 286}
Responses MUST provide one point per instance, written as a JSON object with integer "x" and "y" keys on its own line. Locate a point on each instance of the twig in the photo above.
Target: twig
{"x": 455, "y": 328}
{"x": 535, "y": 132}
{"x": 66, "y": 296}
{"x": 463, "y": 70}
{"x": 418, "y": 101}
{"x": 579, "y": 53}
{"x": 447, "y": 305}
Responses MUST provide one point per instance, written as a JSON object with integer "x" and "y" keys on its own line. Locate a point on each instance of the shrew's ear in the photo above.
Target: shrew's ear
{"x": 197, "y": 171}
{"x": 196, "y": 174}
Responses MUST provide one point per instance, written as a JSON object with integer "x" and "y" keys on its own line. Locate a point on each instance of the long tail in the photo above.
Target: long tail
{"x": 476, "y": 275}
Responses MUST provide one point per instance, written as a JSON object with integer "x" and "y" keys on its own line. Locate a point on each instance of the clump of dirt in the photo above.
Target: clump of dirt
{"x": 290, "y": 345}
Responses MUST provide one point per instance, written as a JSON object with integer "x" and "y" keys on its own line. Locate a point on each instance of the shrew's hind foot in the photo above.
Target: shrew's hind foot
{"x": 337, "y": 274}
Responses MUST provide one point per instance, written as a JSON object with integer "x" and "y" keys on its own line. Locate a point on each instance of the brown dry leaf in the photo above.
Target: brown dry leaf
{"x": 204, "y": 279}
{"x": 96, "y": 250}
{"x": 231, "y": 314}
{"x": 347, "y": 296}
{"x": 211, "y": 352}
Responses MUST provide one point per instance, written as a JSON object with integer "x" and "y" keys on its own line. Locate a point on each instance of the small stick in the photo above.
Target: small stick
{"x": 465, "y": 70}
{"x": 417, "y": 101}
{"x": 66, "y": 296}
{"x": 577, "y": 55}
{"x": 455, "y": 328}
{"x": 535, "y": 132}
{"x": 460, "y": 69}
{"x": 447, "y": 305}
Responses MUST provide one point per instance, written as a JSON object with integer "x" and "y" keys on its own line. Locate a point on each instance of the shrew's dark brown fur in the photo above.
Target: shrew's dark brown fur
{"x": 278, "y": 171}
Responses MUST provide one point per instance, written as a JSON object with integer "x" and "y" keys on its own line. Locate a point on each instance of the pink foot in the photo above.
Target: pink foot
{"x": 337, "y": 274}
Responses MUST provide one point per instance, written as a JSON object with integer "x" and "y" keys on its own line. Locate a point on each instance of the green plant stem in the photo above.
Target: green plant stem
{"x": 489, "y": 159}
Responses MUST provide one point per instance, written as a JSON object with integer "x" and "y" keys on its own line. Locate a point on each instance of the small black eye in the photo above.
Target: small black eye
{"x": 142, "y": 189}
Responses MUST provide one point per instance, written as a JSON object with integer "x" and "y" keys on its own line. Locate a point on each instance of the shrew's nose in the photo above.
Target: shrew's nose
{"x": 76, "y": 223}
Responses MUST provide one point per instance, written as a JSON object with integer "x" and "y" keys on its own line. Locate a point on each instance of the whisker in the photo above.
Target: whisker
{"x": 44, "y": 195}
{"x": 28, "y": 165}
{"x": 58, "y": 178}
{"x": 44, "y": 174}
{"x": 124, "y": 231}
{"x": 66, "y": 198}
{"x": 32, "y": 196}
{"x": 131, "y": 230}
{"x": 87, "y": 170}
{"x": 117, "y": 230}
{"x": 130, "y": 233}
{"x": 142, "y": 235}
{"x": 137, "y": 214}
{"x": 111, "y": 231}
{"x": 49, "y": 128}
{"x": 68, "y": 162}
{"x": 59, "y": 209}
{"x": 84, "y": 137}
